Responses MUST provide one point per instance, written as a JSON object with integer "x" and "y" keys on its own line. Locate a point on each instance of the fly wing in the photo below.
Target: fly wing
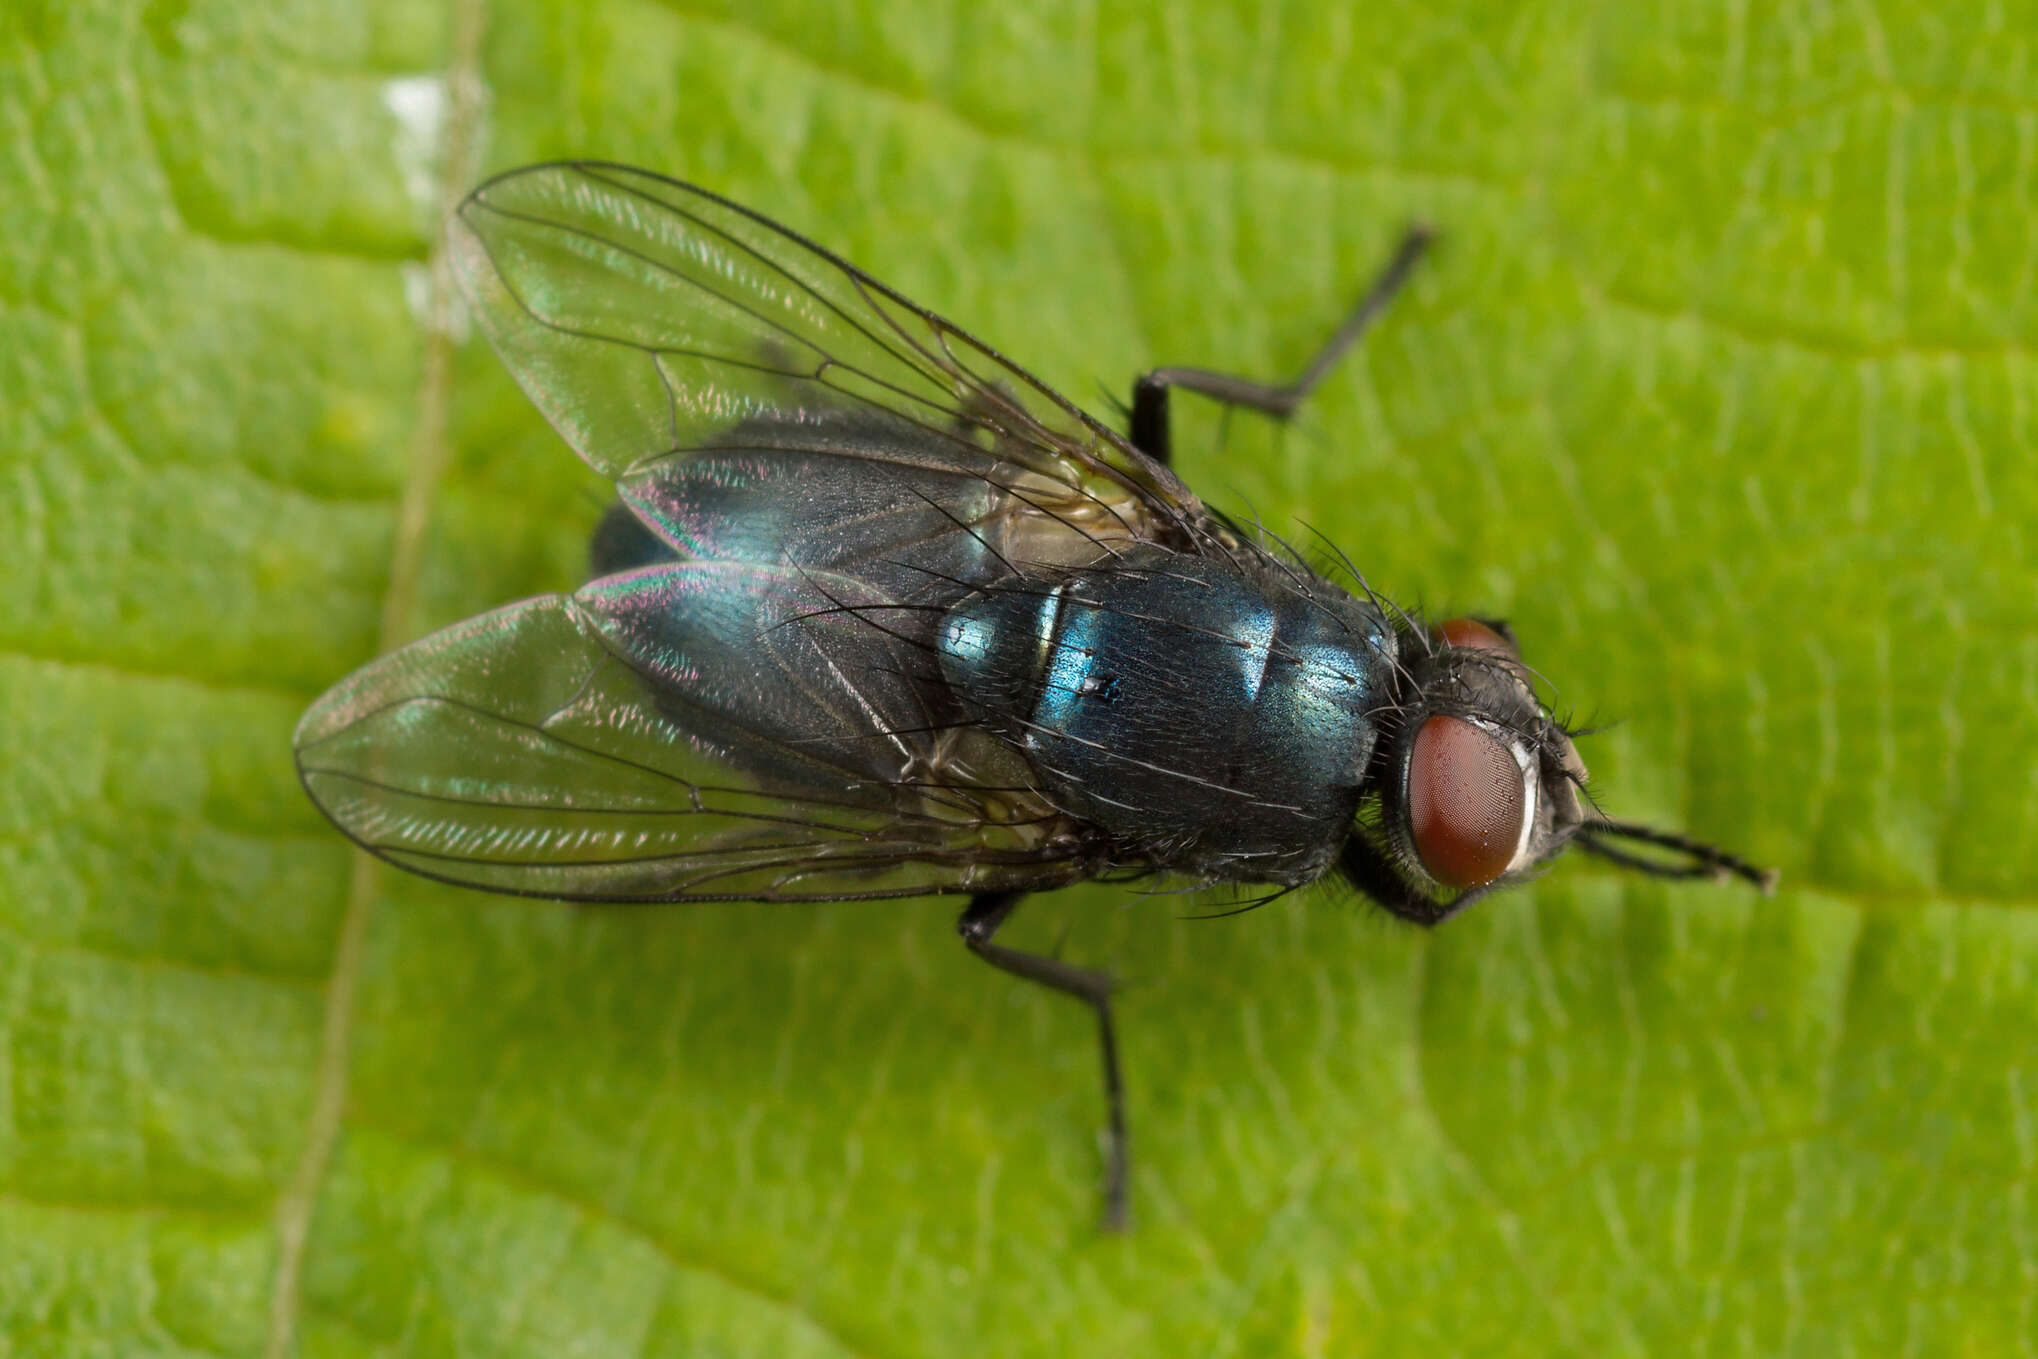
{"x": 691, "y": 731}
{"x": 687, "y": 347}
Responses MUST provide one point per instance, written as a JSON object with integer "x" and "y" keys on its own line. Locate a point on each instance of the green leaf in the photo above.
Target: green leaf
{"x": 1722, "y": 388}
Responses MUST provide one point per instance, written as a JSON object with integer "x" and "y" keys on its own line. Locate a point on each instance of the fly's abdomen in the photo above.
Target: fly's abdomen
{"x": 1220, "y": 723}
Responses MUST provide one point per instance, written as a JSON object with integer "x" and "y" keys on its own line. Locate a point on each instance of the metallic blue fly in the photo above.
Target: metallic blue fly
{"x": 879, "y": 614}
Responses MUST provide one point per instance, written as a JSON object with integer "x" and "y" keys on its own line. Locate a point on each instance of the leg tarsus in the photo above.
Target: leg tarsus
{"x": 978, "y": 922}
{"x": 1367, "y": 868}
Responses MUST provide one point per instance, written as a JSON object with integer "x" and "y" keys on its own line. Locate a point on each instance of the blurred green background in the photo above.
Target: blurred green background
{"x": 1722, "y": 388}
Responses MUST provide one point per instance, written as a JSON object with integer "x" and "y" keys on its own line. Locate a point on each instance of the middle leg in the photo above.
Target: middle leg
{"x": 978, "y": 922}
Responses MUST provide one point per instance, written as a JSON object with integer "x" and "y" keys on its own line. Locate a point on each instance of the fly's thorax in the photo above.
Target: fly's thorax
{"x": 1220, "y": 722}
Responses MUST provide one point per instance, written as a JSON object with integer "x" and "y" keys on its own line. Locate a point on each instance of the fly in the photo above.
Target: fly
{"x": 879, "y": 614}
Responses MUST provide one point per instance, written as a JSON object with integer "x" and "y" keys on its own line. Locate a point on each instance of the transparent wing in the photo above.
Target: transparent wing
{"x": 689, "y": 731}
{"x": 677, "y": 340}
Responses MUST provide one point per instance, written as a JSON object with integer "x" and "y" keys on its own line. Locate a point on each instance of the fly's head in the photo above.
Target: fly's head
{"x": 1478, "y": 785}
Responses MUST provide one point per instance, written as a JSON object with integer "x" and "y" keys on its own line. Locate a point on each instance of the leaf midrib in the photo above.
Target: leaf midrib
{"x": 430, "y": 456}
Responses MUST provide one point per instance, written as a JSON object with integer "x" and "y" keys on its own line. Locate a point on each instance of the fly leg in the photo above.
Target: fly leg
{"x": 1373, "y": 873}
{"x": 1149, "y": 431}
{"x": 978, "y": 922}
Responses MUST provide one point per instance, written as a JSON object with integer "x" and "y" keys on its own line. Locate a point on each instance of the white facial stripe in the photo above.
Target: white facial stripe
{"x": 1531, "y": 785}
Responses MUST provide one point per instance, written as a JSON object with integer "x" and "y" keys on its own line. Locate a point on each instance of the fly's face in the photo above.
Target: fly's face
{"x": 1477, "y": 785}
{"x": 1480, "y": 782}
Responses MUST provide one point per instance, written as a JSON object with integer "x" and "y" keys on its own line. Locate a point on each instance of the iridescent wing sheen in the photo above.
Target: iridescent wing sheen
{"x": 698, "y": 730}
{"x": 678, "y": 341}
{"x": 753, "y": 711}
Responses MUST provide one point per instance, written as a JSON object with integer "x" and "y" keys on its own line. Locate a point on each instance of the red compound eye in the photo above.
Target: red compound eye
{"x": 1471, "y": 633}
{"x": 1467, "y": 801}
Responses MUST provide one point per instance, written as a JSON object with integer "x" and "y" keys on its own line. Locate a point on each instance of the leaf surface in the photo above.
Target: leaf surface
{"x": 1722, "y": 389}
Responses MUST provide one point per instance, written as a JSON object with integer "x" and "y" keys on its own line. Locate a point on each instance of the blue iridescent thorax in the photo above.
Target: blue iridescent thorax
{"x": 1177, "y": 702}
